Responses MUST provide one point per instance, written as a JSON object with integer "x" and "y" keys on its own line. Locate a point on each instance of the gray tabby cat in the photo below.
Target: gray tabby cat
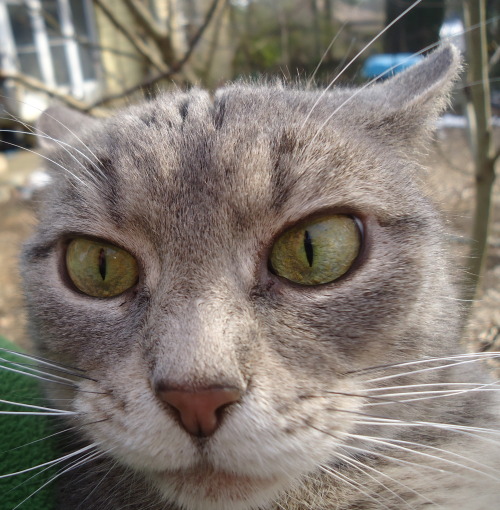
{"x": 255, "y": 288}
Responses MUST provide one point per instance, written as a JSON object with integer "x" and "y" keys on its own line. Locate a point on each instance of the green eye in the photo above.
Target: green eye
{"x": 318, "y": 251}
{"x": 100, "y": 269}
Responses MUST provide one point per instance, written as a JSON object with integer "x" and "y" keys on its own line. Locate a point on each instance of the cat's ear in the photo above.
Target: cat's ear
{"x": 61, "y": 124}
{"x": 411, "y": 101}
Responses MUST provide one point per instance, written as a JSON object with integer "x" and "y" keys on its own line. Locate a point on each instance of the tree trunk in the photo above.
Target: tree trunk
{"x": 479, "y": 115}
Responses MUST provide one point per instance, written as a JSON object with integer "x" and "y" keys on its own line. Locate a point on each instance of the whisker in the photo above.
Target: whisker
{"x": 417, "y": 452}
{"x": 363, "y": 467}
{"x": 429, "y": 369}
{"x": 48, "y": 159}
{"x": 433, "y": 394}
{"x": 332, "y": 42}
{"x": 42, "y": 361}
{"x": 396, "y": 460}
{"x": 33, "y": 368}
{"x": 474, "y": 432}
{"x": 58, "y": 121}
{"x": 330, "y": 85}
{"x": 352, "y": 483}
{"x": 374, "y": 80}
{"x": 478, "y": 356}
{"x": 34, "y": 413}
{"x": 368, "y": 419}
{"x": 326, "y": 393}
{"x": 29, "y": 374}
{"x": 379, "y": 454}
{"x": 442, "y": 450}
{"x": 72, "y": 466}
{"x": 19, "y": 404}
{"x": 64, "y": 146}
{"x": 39, "y": 440}
{"x": 427, "y": 385}
{"x": 98, "y": 484}
{"x": 51, "y": 462}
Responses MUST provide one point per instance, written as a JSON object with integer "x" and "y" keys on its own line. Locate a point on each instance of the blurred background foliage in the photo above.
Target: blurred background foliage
{"x": 90, "y": 53}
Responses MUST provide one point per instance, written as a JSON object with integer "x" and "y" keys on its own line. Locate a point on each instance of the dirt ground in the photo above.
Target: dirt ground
{"x": 449, "y": 178}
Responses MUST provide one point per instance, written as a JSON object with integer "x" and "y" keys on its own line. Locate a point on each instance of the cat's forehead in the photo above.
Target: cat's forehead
{"x": 247, "y": 156}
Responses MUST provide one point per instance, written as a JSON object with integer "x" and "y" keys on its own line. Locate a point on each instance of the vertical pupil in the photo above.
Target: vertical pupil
{"x": 102, "y": 263}
{"x": 308, "y": 247}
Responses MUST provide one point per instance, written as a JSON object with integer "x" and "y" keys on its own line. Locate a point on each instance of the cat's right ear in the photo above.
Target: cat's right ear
{"x": 61, "y": 124}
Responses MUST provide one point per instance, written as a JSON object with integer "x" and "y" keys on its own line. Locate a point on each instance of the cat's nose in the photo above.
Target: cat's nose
{"x": 200, "y": 410}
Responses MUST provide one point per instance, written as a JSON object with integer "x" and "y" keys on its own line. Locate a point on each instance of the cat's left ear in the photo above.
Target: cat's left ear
{"x": 61, "y": 124}
{"x": 411, "y": 101}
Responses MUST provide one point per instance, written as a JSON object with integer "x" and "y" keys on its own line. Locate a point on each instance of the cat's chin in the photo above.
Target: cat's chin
{"x": 205, "y": 488}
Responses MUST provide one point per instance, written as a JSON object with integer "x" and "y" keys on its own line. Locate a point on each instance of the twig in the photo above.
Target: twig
{"x": 147, "y": 20}
{"x": 35, "y": 84}
{"x": 138, "y": 44}
{"x": 174, "y": 69}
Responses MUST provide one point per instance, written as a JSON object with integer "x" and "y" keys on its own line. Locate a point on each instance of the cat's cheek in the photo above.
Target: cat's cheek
{"x": 261, "y": 438}
{"x": 133, "y": 428}
{"x": 61, "y": 314}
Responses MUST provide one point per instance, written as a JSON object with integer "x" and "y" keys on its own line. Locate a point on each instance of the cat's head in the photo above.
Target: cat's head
{"x": 224, "y": 267}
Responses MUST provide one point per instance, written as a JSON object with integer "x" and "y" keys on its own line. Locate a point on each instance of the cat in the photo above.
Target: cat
{"x": 256, "y": 292}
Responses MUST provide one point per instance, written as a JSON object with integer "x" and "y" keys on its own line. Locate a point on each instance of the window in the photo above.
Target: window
{"x": 51, "y": 40}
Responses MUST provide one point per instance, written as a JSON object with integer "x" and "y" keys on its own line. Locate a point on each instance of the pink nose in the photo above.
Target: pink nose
{"x": 200, "y": 411}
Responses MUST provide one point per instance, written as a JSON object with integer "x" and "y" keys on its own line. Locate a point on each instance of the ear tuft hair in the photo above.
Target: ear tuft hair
{"x": 411, "y": 102}
{"x": 61, "y": 124}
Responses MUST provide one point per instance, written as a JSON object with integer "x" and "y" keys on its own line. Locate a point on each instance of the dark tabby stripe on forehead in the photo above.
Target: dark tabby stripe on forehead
{"x": 219, "y": 112}
{"x": 109, "y": 188}
{"x": 282, "y": 150}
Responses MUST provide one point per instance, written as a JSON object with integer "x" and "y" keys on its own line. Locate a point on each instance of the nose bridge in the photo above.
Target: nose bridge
{"x": 198, "y": 346}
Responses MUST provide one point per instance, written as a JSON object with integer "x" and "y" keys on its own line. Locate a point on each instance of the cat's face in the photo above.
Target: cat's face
{"x": 198, "y": 192}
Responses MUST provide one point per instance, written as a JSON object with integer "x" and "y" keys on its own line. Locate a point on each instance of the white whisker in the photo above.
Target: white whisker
{"x": 352, "y": 483}
{"x": 432, "y": 394}
{"x": 424, "y": 454}
{"x": 427, "y": 385}
{"x": 394, "y": 459}
{"x": 51, "y": 462}
{"x": 57, "y": 120}
{"x": 34, "y": 376}
{"x": 74, "y": 465}
{"x": 40, "y": 360}
{"x": 371, "y": 82}
{"x": 422, "y": 370}
{"x": 34, "y": 370}
{"x": 356, "y": 464}
{"x": 477, "y": 356}
{"x": 48, "y": 159}
{"x": 39, "y": 440}
{"x": 58, "y": 411}
{"x": 325, "y": 53}
{"x": 64, "y": 146}
{"x": 330, "y": 85}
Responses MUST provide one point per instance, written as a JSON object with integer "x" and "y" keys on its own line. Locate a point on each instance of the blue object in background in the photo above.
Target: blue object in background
{"x": 388, "y": 63}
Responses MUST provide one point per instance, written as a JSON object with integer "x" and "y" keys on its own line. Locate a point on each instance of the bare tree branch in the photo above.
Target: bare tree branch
{"x": 196, "y": 38}
{"x": 147, "y": 20}
{"x": 136, "y": 41}
{"x": 174, "y": 69}
{"x": 165, "y": 73}
{"x": 479, "y": 115}
{"x": 35, "y": 84}
{"x": 495, "y": 58}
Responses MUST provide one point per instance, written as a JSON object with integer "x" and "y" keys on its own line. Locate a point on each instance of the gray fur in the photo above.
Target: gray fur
{"x": 197, "y": 188}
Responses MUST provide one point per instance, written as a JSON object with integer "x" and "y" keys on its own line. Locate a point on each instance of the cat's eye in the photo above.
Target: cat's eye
{"x": 317, "y": 251}
{"x": 99, "y": 269}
